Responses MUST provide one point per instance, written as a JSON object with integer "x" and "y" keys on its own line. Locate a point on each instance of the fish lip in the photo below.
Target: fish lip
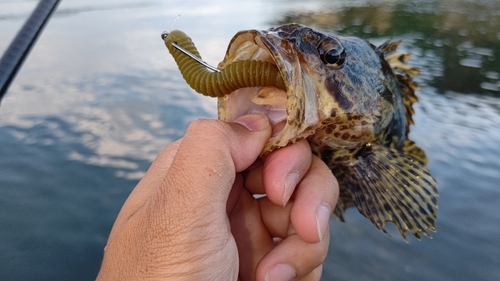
{"x": 302, "y": 104}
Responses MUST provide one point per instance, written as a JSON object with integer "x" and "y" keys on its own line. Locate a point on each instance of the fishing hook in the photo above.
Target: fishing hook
{"x": 186, "y": 52}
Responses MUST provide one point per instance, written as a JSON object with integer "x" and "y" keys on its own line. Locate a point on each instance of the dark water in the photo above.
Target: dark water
{"x": 99, "y": 96}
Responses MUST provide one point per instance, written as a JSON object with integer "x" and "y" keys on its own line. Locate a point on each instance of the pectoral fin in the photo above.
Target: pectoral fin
{"x": 389, "y": 186}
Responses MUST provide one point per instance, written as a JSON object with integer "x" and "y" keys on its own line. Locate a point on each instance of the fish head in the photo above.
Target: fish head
{"x": 340, "y": 92}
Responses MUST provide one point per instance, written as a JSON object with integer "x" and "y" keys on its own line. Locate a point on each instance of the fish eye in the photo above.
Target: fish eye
{"x": 331, "y": 52}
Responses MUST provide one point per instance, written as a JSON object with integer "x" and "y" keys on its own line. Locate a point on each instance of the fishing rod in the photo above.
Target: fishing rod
{"x": 20, "y": 47}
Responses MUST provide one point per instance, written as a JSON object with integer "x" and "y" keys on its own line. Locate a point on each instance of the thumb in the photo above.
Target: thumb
{"x": 210, "y": 155}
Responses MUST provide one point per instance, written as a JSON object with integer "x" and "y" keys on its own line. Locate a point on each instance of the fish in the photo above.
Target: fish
{"x": 353, "y": 102}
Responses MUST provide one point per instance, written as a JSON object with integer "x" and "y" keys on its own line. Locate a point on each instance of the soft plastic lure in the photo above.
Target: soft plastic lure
{"x": 214, "y": 82}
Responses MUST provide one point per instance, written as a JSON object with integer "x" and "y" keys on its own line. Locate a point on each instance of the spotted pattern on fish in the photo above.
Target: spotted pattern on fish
{"x": 356, "y": 114}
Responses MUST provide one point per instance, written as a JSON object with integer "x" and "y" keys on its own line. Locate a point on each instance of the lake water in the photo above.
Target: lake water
{"x": 99, "y": 96}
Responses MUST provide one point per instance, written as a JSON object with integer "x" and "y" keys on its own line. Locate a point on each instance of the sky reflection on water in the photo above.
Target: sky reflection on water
{"x": 99, "y": 96}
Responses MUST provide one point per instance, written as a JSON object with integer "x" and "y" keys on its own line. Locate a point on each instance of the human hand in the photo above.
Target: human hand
{"x": 193, "y": 216}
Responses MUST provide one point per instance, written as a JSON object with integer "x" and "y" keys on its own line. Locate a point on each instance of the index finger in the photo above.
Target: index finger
{"x": 280, "y": 172}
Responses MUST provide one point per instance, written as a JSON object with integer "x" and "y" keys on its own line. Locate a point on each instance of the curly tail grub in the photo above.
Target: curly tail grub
{"x": 239, "y": 74}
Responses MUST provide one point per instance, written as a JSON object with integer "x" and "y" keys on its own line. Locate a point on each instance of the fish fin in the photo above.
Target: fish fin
{"x": 408, "y": 86}
{"x": 404, "y": 74}
{"x": 397, "y": 61}
{"x": 338, "y": 212}
{"x": 410, "y": 148}
{"x": 399, "y": 64}
{"x": 389, "y": 186}
{"x": 345, "y": 198}
{"x": 388, "y": 47}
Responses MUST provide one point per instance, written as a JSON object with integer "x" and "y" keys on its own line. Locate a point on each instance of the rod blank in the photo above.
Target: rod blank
{"x": 19, "y": 48}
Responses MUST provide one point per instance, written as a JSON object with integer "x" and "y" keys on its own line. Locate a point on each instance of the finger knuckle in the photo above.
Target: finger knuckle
{"x": 215, "y": 130}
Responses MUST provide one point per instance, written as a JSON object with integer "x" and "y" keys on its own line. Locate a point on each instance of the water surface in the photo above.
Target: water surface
{"x": 99, "y": 97}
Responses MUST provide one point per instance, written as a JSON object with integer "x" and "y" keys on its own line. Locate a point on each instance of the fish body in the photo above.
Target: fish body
{"x": 352, "y": 101}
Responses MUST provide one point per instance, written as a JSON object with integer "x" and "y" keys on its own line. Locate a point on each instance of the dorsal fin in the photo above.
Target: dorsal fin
{"x": 388, "y": 47}
{"x": 404, "y": 74}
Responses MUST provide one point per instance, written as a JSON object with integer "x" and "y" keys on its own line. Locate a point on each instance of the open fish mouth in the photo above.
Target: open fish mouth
{"x": 269, "y": 101}
{"x": 292, "y": 111}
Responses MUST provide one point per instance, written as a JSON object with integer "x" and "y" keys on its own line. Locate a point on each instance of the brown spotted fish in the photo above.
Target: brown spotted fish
{"x": 351, "y": 100}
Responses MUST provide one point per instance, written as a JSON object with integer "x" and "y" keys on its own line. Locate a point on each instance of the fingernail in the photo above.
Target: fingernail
{"x": 253, "y": 122}
{"x": 280, "y": 272}
{"x": 291, "y": 182}
{"x": 323, "y": 213}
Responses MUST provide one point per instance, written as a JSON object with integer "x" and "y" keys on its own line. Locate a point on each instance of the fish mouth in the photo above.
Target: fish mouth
{"x": 292, "y": 111}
